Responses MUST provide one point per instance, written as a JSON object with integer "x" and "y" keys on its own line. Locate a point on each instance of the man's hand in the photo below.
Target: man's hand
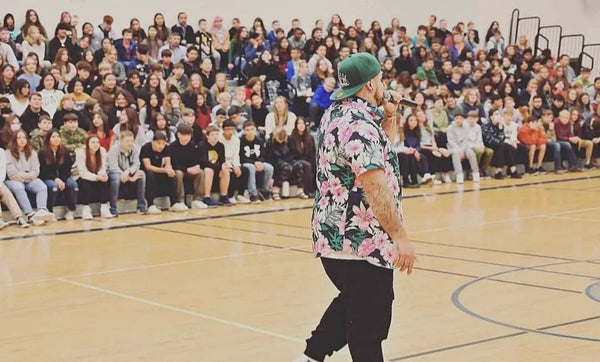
{"x": 406, "y": 255}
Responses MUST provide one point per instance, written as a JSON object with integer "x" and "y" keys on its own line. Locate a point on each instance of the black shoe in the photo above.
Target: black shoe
{"x": 254, "y": 199}
{"x": 265, "y": 195}
{"x": 541, "y": 170}
{"x": 210, "y": 203}
{"x": 589, "y": 167}
{"x": 531, "y": 171}
{"x": 224, "y": 201}
{"x": 499, "y": 175}
{"x": 515, "y": 175}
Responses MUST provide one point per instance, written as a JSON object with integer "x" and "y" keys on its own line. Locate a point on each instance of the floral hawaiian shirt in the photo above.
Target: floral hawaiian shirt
{"x": 350, "y": 143}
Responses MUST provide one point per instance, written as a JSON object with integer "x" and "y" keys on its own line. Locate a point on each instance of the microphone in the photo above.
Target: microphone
{"x": 406, "y": 102}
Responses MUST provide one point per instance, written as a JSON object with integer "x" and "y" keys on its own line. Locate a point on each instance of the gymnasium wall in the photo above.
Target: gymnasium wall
{"x": 576, "y": 16}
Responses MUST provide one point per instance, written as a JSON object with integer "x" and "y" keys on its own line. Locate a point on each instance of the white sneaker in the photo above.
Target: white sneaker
{"x": 437, "y": 182}
{"x": 3, "y": 224}
{"x": 232, "y": 200}
{"x": 37, "y": 218}
{"x": 105, "y": 212}
{"x": 153, "y": 210}
{"x": 69, "y": 215}
{"x": 86, "y": 212}
{"x": 446, "y": 178}
{"x": 285, "y": 189}
{"x": 460, "y": 178}
{"x": 476, "y": 177}
{"x": 178, "y": 207}
{"x": 46, "y": 215}
{"x": 427, "y": 178}
{"x": 197, "y": 204}
{"x": 242, "y": 199}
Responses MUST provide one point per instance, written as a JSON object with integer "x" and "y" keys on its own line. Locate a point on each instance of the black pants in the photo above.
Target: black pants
{"x": 308, "y": 176}
{"x": 159, "y": 184}
{"x": 504, "y": 155}
{"x": 93, "y": 191}
{"x": 238, "y": 184}
{"x": 359, "y": 316}
{"x": 408, "y": 167}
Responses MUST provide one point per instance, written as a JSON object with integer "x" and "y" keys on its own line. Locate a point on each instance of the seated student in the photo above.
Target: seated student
{"x": 558, "y": 104}
{"x": 172, "y": 108}
{"x": 452, "y": 108}
{"x": 239, "y": 99}
{"x": 280, "y": 117}
{"x": 31, "y": 115}
{"x": 185, "y": 159}
{"x": 303, "y": 144}
{"x": 189, "y": 118}
{"x": 494, "y": 138}
{"x": 159, "y": 124}
{"x": 224, "y": 101}
{"x": 456, "y": 83}
{"x": 434, "y": 148}
{"x": 532, "y": 136}
{"x": 67, "y": 105}
{"x": 73, "y": 137}
{"x": 286, "y": 172}
{"x": 460, "y": 148}
{"x": 475, "y": 142}
{"x": 536, "y": 106}
{"x": 320, "y": 102}
{"x": 7, "y": 197}
{"x": 29, "y": 73}
{"x": 239, "y": 175}
{"x": 407, "y": 160}
{"x": 234, "y": 114}
{"x": 511, "y": 131}
{"x": 101, "y": 128}
{"x": 38, "y": 135}
{"x": 564, "y": 133}
{"x": 558, "y": 147}
{"x": 509, "y": 104}
{"x": 203, "y": 115}
{"x": 141, "y": 62}
{"x": 252, "y": 157}
{"x": 123, "y": 166}
{"x": 220, "y": 117}
{"x": 301, "y": 82}
{"x": 178, "y": 81}
{"x": 22, "y": 170}
{"x": 55, "y": 171}
{"x": 92, "y": 178}
{"x": 582, "y": 128}
{"x": 412, "y": 140}
{"x": 259, "y": 111}
{"x": 160, "y": 176}
{"x": 129, "y": 121}
{"x": 212, "y": 156}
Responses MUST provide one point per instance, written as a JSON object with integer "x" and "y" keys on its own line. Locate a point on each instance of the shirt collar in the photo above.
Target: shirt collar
{"x": 376, "y": 111}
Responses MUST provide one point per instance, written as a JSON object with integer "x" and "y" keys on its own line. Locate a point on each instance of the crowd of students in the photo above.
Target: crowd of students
{"x": 88, "y": 117}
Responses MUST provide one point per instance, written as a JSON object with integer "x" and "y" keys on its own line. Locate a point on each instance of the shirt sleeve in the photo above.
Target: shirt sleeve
{"x": 364, "y": 148}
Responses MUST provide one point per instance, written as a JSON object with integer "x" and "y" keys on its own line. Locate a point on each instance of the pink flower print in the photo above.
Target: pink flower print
{"x": 329, "y": 141}
{"x": 366, "y": 248}
{"x": 340, "y": 194}
{"x": 363, "y": 217}
{"x": 347, "y": 246}
{"x": 316, "y": 224}
{"x": 325, "y": 187}
{"x": 345, "y": 135}
{"x": 342, "y": 225}
{"x": 321, "y": 245}
{"x": 324, "y": 202}
{"x": 381, "y": 240}
{"x": 354, "y": 148}
{"x": 389, "y": 253}
{"x": 323, "y": 162}
{"x": 369, "y": 132}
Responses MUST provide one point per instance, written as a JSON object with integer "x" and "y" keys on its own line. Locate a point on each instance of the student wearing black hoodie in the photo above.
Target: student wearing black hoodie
{"x": 185, "y": 159}
{"x": 252, "y": 157}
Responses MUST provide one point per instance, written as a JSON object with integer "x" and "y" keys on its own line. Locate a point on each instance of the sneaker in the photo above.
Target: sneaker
{"x": 476, "y": 177}
{"x": 560, "y": 171}
{"x": 301, "y": 194}
{"x": 437, "y": 182}
{"x": 483, "y": 175}
{"x": 143, "y": 211}
{"x": 86, "y": 213}
{"x": 180, "y": 207}
{"x": 208, "y": 202}
{"x": 285, "y": 189}
{"x": 232, "y": 200}
{"x": 254, "y": 199}
{"x": 105, "y": 212}
{"x": 46, "y": 215}
{"x": 530, "y": 171}
{"x": 499, "y": 175}
{"x": 541, "y": 170}
{"x": 36, "y": 218}
{"x": 69, "y": 215}
{"x": 589, "y": 166}
{"x": 22, "y": 222}
{"x": 197, "y": 204}
{"x": 446, "y": 178}
{"x": 516, "y": 175}
{"x": 224, "y": 201}
{"x": 460, "y": 178}
{"x": 276, "y": 196}
{"x": 3, "y": 224}
{"x": 427, "y": 178}
{"x": 575, "y": 169}
{"x": 153, "y": 210}
{"x": 265, "y": 195}
{"x": 242, "y": 199}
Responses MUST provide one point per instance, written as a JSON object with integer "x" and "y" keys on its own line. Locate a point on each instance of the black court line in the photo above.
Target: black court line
{"x": 486, "y": 340}
{"x": 260, "y": 212}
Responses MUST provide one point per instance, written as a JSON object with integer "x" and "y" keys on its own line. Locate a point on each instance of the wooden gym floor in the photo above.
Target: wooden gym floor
{"x": 508, "y": 272}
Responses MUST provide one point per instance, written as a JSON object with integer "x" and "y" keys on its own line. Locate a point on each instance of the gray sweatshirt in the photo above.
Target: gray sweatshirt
{"x": 120, "y": 162}
{"x": 28, "y": 169}
{"x": 457, "y": 138}
{"x": 474, "y": 135}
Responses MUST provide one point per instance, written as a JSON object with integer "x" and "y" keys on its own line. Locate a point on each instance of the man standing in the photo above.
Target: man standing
{"x": 357, "y": 222}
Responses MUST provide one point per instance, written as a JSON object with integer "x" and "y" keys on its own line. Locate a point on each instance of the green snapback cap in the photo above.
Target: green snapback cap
{"x": 354, "y": 72}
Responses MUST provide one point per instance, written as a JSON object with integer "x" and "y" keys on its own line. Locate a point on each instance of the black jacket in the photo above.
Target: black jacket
{"x": 183, "y": 157}
{"x": 29, "y": 119}
{"x": 54, "y": 170}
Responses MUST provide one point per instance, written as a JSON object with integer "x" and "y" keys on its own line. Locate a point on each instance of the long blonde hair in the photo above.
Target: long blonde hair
{"x": 281, "y": 122}
{"x": 29, "y": 36}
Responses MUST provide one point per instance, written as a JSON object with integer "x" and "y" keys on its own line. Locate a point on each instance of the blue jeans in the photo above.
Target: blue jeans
{"x": 20, "y": 190}
{"x": 556, "y": 148}
{"x": 267, "y": 175}
{"x": 115, "y": 182}
{"x": 71, "y": 189}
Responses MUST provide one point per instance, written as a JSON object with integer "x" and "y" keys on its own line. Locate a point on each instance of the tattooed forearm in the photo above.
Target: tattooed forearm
{"x": 382, "y": 201}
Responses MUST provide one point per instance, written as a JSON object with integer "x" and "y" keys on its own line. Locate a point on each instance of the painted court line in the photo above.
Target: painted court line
{"x": 183, "y": 311}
